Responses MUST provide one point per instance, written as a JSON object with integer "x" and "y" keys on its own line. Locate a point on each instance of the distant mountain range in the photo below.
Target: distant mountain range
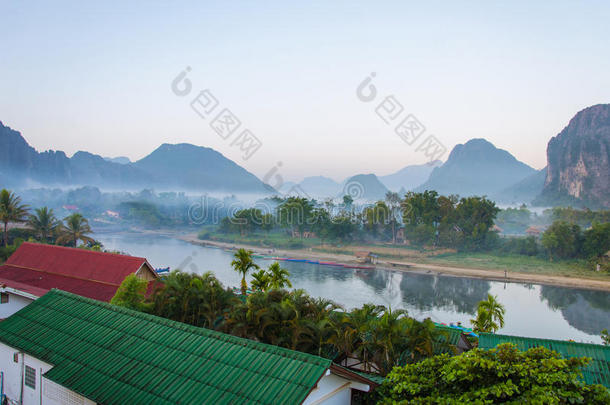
{"x": 176, "y": 167}
{"x": 409, "y": 177}
{"x": 578, "y": 170}
{"x": 476, "y": 168}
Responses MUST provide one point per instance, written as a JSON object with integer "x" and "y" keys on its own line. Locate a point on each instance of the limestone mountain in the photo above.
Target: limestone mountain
{"x": 363, "y": 187}
{"x": 476, "y": 168}
{"x": 579, "y": 161}
{"x": 173, "y": 167}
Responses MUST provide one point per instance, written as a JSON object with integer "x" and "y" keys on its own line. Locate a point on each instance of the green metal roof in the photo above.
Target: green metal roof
{"x": 114, "y": 355}
{"x": 449, "y": 335}
{"x": 597, "y": 372}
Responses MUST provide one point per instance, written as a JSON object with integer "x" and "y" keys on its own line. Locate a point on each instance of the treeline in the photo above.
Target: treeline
{"x": 40, "y": 225}
{"x": 425, "y": 218}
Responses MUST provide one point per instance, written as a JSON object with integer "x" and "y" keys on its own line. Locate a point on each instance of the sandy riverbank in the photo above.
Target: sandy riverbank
{"x": 412, "y": 267}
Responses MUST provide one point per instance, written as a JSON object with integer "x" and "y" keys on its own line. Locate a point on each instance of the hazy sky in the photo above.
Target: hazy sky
{"x": 77, "y": 76}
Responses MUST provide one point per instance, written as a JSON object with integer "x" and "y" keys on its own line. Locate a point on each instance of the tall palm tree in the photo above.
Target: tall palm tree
{"x": 242, "y": 264}
{"x": 11, "y": 210}
{"x": 76, "y": 228}
{"x": 490, "y": 315}
{"x": 278, "y": 277}
{"x": 44, "y": 223}
{"x": 260, "y": 280}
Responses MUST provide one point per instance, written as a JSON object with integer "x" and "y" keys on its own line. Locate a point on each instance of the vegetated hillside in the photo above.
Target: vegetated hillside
{"x": 476, "y": 168}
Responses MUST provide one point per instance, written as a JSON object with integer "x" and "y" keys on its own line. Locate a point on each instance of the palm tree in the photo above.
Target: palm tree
{"x": 278, "y": 277}
{"x": 242, "y": 264}
{"x": 76, "y": 228}
{"x": 261, "y": 281}
{"x": 490, "y": 315}
{"x": 11, "y": 210}
{"x": 43, "y": 223}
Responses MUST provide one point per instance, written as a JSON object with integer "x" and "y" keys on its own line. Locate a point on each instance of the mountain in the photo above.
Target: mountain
{"x": 579, "y": 161}
{"x": 524, "y": 191}
{"x": 409, "y": 177}
{"x": 476, "y": 168}
{"x": 365, "y": 187}
{"x": 320, "y": 186}
{"x": 176, "y": 167}
{"x": 122, "y": 160}
{"x": 191, "y": 167}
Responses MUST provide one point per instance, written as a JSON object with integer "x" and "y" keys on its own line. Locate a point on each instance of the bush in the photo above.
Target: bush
{"x": 501, "y": 375}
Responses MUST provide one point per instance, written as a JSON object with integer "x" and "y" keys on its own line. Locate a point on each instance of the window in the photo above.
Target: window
{"x": 30, "y": 377}
{"x": 3, "y": 298}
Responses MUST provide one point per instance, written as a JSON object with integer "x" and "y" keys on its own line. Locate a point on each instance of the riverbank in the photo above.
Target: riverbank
{"x": 419, "y": 266}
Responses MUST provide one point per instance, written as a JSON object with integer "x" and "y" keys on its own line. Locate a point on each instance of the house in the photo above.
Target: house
{"x": 366, "y": 257}
{"x": 533, "y": 231}
{"x": 36, "y": 268}
{"x": 68, "y": 349}
{"x": 597, "y": 372}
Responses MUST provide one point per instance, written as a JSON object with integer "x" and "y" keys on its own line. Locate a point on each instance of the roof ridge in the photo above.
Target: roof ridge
{"x": 265, "y": 347}
{"x": 484, "y": 334}
{"x": 61, "y": 274}
{"x": 76, "y": 249}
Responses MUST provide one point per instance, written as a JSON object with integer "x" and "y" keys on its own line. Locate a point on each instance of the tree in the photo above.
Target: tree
{"x": 11, "y": 210}
{"x": 243, "y": 263}
{"x": 605, "y": 337}
{"x": 295, "y": 213}
{"x": 278, "y": 277}
{"x": 131, "y": 293}
{"x": 562, "y": 240}
{"x": 500, "y": 375}
{"x": 392, "y": 200}
{"x": 260, "y": 280}
{"x": 44, "y": 223}
{"x": 76, "y": 228}
{"x": 596, "y": 240}
{"x": 490, "y": 315}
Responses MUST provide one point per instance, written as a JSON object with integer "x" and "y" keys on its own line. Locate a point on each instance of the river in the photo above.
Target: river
{"x": 531, "y": 309}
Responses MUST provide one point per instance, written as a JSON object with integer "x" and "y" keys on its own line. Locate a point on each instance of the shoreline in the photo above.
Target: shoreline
{"x": 413, "y": 267}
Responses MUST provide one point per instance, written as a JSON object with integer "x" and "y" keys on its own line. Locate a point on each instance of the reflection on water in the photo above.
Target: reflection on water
{"x": 531, "y": 310}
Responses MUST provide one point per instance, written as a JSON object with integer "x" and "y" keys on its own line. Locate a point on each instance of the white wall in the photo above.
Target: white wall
{"x": 46, "y": 391}
{"x": 331, "y": 390}
{"x": 14, "y": 304}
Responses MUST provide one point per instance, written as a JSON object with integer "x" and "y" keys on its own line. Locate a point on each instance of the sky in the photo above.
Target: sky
{"x": 98, "y": 77}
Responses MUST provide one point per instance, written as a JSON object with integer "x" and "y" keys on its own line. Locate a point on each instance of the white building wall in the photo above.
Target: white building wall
{"x": 331, "y": 390}
{"x": 14, "y": 304}
{"x": 45, "y": 392}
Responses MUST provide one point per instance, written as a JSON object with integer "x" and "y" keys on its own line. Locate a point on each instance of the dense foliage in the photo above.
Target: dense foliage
{"x": 378, "y": 337}
{"x": 501, "y": 375}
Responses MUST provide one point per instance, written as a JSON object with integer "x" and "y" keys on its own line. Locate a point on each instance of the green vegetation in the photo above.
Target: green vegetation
{"x": 500, "y": 375}
{"x": 490, "y": 315}
{"x": 243, "y": 263}
{"x": 131, "y": 293}
{"x": 379, "y": 337}
{"x": 11, "y": 210}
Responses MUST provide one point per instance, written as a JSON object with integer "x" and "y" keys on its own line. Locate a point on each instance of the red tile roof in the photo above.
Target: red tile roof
{"x": 37, "y": 268}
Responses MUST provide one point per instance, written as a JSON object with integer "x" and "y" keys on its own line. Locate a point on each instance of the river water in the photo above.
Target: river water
{"x": 531, "y": 309}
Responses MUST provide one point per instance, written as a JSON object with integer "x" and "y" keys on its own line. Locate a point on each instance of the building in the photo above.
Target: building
{"x": 68, "y": 349}
{"x": 597, "y": 372}
{"x": 36, "y": 268}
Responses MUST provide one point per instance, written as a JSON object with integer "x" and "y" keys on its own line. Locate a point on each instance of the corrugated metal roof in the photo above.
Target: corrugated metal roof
{"x": 597, "y": 372}
{"x": 448, "y": 335}
{"x": 114, "y": 355}
{"x": 72, "y": 262}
